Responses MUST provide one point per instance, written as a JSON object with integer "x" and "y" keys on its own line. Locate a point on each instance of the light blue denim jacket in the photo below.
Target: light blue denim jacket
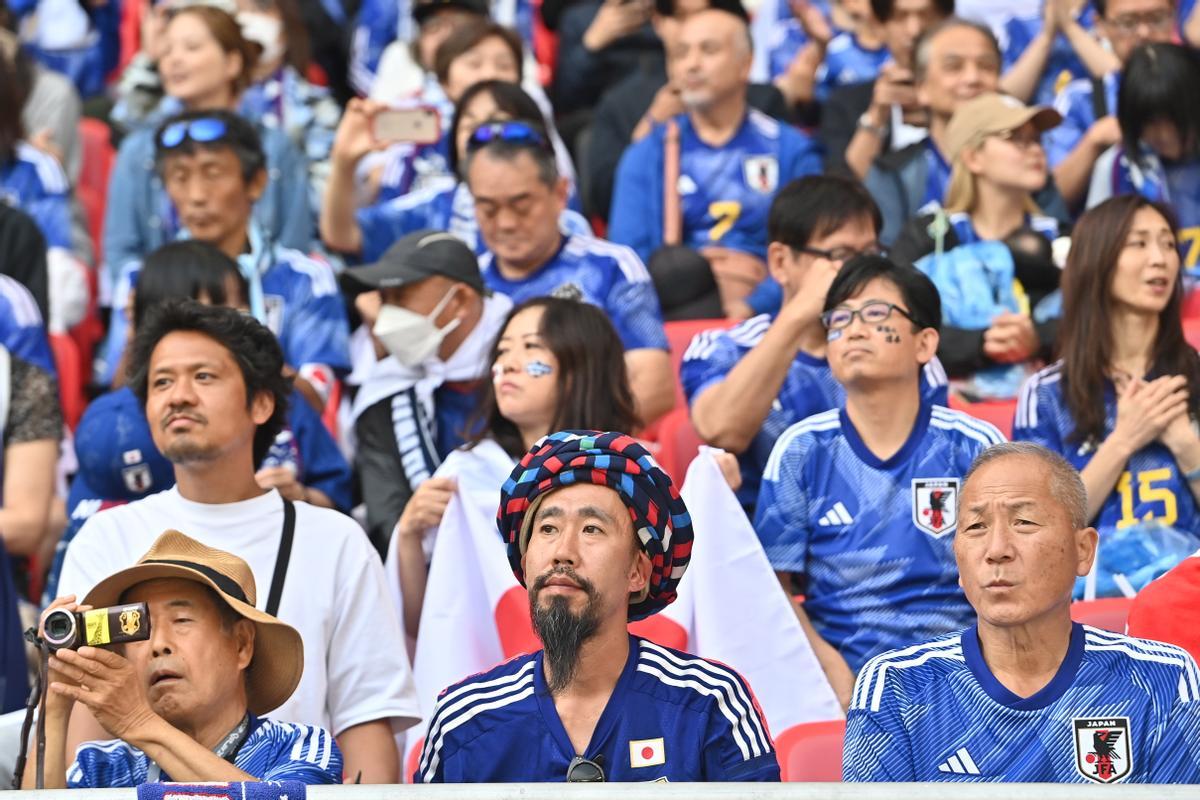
{"x": 140, "y": 217}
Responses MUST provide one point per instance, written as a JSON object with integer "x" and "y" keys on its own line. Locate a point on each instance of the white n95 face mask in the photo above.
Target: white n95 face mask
{"x": 412, "y": 338}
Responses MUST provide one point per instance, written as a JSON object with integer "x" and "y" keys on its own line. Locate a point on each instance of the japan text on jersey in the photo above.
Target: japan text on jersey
{"x": 1119, "y": 709}
{"x": 671, "y": 716}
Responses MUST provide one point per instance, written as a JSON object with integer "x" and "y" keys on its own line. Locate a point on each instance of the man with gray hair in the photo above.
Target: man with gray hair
{"x": 1025, "y": 694}
{"x": 724, "y": 160}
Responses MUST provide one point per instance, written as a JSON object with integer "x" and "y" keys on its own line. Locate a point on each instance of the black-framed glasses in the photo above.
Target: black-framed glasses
{"x": 204, "y": 129}
{"x": 843, "y": 253}
{"x": 1128, "y": 24}
{"x": 871, "y": 314}
{"x": 513, "y": 131}
{"x": 581, "y": 770}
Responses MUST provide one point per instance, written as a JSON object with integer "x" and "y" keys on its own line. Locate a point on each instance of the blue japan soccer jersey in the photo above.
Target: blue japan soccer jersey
{"x": 1151, "y": 486}
{"x": 671, "y": 717}
{"x": 1119, "y": 710}
{"x": 725, "y": 191}
{"x": 872, "y": 538}
{"x": 606, "y": 275}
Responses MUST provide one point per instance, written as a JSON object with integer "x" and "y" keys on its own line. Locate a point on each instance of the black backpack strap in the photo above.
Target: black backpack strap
{"x": 1099, "y": 99}
{"x": 283, "y": 557}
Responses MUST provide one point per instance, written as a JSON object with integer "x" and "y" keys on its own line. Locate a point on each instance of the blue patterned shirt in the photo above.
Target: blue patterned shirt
{"x": 872, "y": 538}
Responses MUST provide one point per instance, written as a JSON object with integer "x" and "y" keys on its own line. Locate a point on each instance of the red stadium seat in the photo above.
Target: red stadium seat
{"x": 998, "y": 412}
{"x": 98, "y": 155}
{"x": 1108, "y": 613}
{"x": 410, "y": 766}
{"x": 1191, "y": 305}
{"x": 1191, "y": 330}
{"x": 71, "y": 377}
{"x": 812, "y": 751}
{"x": 678, "y": 444}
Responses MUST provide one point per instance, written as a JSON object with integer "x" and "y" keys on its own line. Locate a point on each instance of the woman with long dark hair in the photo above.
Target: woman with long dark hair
{"x": 1122, "y": 402}
{"x": 558, "y": 364}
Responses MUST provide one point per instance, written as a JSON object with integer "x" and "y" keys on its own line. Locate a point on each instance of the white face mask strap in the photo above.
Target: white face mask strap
{"x": 440, "y": 307}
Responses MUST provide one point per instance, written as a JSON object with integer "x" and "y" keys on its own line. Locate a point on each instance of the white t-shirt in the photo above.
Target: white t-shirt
{"x": 356, "y": 669}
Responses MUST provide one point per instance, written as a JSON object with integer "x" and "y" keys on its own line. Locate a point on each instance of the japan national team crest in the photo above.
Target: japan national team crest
{"x": 934, "y": 501}
{"x": 761, "y": 173}
{"x": 137, "y": 478}
{"x": 1103, "y": 752}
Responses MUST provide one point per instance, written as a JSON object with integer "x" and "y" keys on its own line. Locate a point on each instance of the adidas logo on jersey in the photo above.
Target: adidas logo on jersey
{"x": 838, "y": 515}
{"x": 960, "y": 763}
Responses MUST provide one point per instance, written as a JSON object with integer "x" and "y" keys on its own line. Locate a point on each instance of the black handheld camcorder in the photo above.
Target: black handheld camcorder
{"x": 68, "y": 630}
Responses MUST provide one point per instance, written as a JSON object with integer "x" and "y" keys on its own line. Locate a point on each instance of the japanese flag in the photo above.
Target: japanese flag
{"x": 647, "y": 753}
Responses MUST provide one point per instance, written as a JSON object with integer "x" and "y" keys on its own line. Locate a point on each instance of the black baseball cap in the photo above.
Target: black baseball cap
{"x": 424, "y": 9}
{"x": 420, "y": 255}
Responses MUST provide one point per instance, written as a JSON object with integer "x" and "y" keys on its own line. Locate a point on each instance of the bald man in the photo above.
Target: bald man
{"x": 731, "y": 160}
{"x": 1025, "y": 694}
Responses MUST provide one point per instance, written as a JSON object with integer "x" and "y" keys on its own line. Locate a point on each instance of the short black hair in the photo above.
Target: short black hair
{"x": 883, "y": 9}
{"x": 503, "y": 150}
{"x": 666, "y": 8}
{"x": 240, "y": 136}
{"x": 1153, "y": 84}
{"x": 919, "y": 294}
{"x": 185, "y": 270}
{"x": 253, "y": 346}
{"x": 510, "y": 99}
{"x": 817, "y": 205}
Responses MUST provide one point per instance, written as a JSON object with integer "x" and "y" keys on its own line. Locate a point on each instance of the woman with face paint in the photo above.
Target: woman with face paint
{"x": 557, "y": 364}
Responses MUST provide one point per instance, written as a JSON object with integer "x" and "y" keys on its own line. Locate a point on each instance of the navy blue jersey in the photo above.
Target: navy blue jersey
{"x": 725, "y": 192}
{"x": 872, "y": 538}
{"x": 34, "y": 182}
{"x": 1152, "y": 487}
{"x": 607, "y": 275}
{"x": 1119, "y": 709}
{"x": 808, "y": 389}
{"x": 671, "y": 716}
{"x": 273, "y": 751}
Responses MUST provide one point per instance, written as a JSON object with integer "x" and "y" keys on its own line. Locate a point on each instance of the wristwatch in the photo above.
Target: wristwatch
{"x": 865, "y": 123}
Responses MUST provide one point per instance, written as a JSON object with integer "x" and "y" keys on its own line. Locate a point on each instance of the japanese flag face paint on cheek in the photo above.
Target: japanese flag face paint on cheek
{"x": 538, "y": 369}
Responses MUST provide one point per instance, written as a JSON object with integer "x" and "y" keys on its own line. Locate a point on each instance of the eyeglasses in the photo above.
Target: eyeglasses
{"x": 871, "y": 314}
{"x": 515, "y": 131}
{"x": 204, "y": 129}
{"x": 1128, "y": 24}
{"x": 582, "y": 770}
{"x": 1020, "y": 140}
{"x": 842, "y": 253}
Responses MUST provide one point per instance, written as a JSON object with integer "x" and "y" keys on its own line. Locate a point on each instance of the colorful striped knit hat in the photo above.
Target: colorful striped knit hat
{"x": 616, "y": 460}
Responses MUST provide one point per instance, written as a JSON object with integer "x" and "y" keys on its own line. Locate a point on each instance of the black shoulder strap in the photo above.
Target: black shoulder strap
{"x": 284, "y": 556}
{"x": 1099, "y": 99}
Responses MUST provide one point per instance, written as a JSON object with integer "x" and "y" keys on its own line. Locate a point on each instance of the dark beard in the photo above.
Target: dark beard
{"x": 187, "y": 452}
{"x": 563, "y": 633}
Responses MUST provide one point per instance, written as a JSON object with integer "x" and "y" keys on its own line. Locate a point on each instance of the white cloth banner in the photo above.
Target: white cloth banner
{"x": 729, "y": 607}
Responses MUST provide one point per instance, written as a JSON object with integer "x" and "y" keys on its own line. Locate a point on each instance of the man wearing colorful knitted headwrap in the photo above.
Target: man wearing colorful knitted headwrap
{"x": 600, "y": 537}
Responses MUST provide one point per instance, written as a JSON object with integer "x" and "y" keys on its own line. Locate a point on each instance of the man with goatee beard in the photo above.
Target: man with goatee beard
{"x": 600, "y": 537}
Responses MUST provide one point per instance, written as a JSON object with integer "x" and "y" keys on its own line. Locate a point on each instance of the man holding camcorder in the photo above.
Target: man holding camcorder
{"x": 184, "y": 666}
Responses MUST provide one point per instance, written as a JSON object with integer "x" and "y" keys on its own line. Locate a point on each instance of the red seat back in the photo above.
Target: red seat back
{"x": 1108, "y": 613}
{"x": 998, "y": 412}
{"x": 812, "y": 751}
{"x": 678, "y": 444}
{"x": 71, "y": 377}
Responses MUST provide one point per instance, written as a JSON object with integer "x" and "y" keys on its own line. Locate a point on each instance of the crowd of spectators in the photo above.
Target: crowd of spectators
{"x": 351, "y": 260}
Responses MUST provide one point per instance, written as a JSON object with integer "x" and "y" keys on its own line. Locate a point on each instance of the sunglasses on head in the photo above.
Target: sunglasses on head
{"x": 515, "y": 132}
{"x": 204, "y": 129}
